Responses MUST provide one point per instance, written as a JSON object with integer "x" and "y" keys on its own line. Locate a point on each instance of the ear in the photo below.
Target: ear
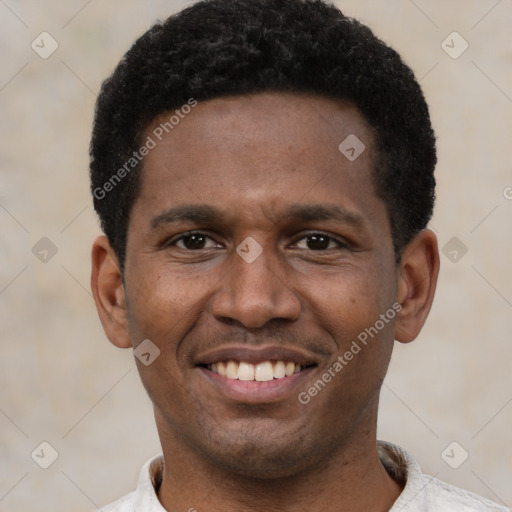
{"x": 108, "y": 290}
{"x": 417, "y": 279}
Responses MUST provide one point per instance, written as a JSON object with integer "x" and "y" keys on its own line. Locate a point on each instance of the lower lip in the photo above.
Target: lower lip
{"x": 251, "y": 391}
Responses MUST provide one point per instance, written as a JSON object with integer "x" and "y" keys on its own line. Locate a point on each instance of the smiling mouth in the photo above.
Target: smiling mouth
{"x": 260, "y": 372}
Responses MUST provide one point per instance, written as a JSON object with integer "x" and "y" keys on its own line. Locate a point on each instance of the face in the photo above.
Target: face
{"x": 257, "y": 254}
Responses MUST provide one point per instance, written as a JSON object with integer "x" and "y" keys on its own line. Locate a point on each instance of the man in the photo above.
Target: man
{"x": 263, "y": 172}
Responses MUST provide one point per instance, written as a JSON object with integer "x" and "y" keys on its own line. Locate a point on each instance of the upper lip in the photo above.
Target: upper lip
{"x": 256, "y": 355}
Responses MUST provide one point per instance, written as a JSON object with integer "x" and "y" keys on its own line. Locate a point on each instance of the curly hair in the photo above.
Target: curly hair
{"x": 217, "y": 48}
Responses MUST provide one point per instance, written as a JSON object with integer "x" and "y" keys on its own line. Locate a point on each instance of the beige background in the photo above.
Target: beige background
{"x": 60, "y": 379}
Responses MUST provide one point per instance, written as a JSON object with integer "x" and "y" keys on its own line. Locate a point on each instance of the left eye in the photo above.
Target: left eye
{"x": 319, "y": 242}
{"x": 193, "y": 241}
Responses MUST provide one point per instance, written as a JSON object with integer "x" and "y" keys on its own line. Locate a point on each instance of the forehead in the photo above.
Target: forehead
{"x": 261, "y": 152}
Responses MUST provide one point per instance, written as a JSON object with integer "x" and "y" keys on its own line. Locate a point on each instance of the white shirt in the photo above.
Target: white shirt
{"x": 421, "y": 493}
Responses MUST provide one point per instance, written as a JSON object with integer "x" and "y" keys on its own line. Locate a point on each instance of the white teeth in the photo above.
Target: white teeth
{"x": 221, "y": 368}
{"x": 246, "y": 371}
{"x": 261, "y": 372}
{"x": 289, "y": 369}
{"x": 279, "y": 370}
{"x": 264, "y": 371}
{"x": 231, "y": 370}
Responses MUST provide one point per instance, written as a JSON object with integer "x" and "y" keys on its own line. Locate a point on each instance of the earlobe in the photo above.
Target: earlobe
{"x": 417, "y": 279}
{"x": 108, "y": 291}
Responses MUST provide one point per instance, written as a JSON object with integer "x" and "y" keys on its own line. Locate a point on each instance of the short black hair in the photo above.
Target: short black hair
{"x": 217, "y": 48}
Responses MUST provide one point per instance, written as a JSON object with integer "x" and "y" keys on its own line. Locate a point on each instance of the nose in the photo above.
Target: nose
{"x": 256, "y": 292}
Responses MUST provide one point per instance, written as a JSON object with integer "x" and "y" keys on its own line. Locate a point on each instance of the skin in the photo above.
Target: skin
{"x": 252, "y": 158}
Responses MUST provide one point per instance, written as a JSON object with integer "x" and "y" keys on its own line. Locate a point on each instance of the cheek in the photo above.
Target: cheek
{"x": 163, "y": 304}
{"x": 162, "y": 308}
{"x": 363, "y": 341}
{"x": 349, "y": 301}
{"x": 351, "y": 315}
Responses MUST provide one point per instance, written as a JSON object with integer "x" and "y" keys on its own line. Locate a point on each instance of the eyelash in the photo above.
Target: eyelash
{"x": 173, "y": 242}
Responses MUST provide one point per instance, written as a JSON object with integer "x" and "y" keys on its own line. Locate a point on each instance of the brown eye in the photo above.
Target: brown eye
{"x": 194, "y": 241}
{"x": 319, "y": 242}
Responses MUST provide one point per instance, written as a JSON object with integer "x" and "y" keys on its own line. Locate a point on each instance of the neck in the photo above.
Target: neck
{"x": 352, "y": 479}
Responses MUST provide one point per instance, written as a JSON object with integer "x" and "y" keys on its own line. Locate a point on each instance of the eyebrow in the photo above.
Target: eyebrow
{"x": 303, "y": 212}
{"x": 186, "y": 212}
{"x": 313, "y": 212}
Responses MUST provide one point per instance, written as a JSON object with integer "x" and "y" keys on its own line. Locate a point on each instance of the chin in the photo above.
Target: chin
{"x": 263, "y": 455}
{"x": 250, "y": 461}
